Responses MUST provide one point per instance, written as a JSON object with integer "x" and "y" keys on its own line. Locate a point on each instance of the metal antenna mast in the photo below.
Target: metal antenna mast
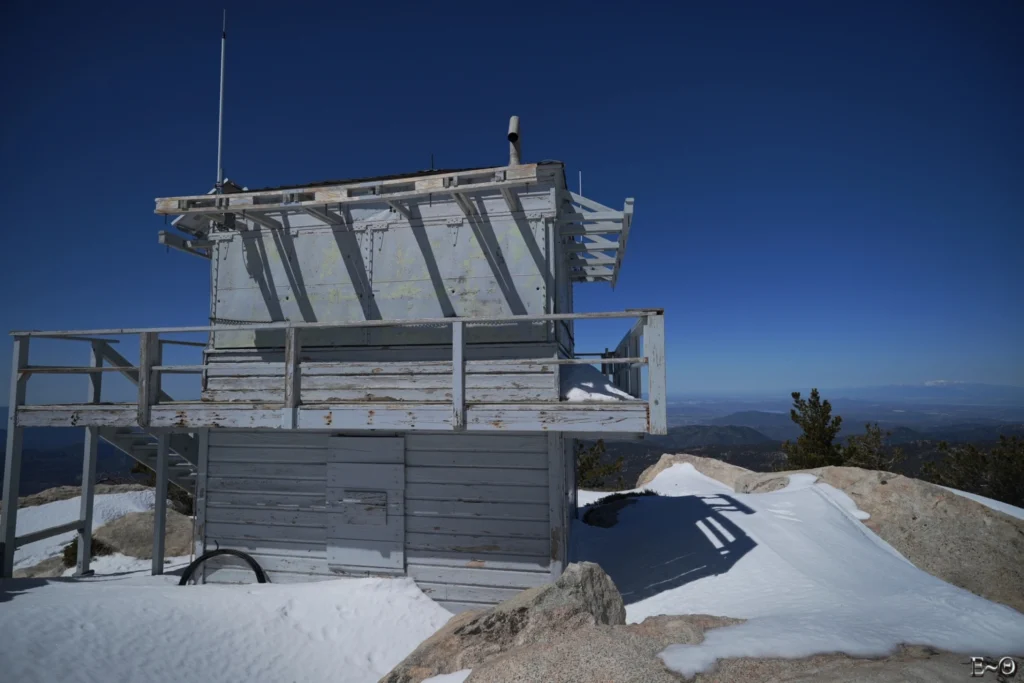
{"x": 220, "y": 116}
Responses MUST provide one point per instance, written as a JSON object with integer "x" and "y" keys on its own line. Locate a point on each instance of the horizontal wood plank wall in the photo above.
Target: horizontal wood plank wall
{"x": 267, "y": 496}
{"x": 391, "y": 377}
{"x": 477, "y": 511}
{"x": 477, "y": 519}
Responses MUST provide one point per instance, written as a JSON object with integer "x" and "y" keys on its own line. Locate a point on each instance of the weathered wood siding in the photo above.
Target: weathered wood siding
{"x": 477, "y": 521}
{"x": 422, "y": 374}
{"x": 266, "y": 494}
{"x": 477, "y": 509}
{"x": 424, "y": 260}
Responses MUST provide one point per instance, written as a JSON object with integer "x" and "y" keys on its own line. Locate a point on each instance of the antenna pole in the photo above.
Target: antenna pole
{"x": 220, "y": 115}
{"x": 581, "y": 183}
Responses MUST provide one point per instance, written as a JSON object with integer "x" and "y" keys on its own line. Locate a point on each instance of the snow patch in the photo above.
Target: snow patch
{"x": 844, "y": 501}
{"x": 106, "y": 508}
{"x": 808, "y": 577}
{"x": 684, "y": 479}
{"x": 800, "y": 480}
{"x": 996, "y": 505}
{"x": 457, "y": 677}
{"x": 118, "y": 564}
{"x": 586, "y": 383}
{"x": 342, "y": 630}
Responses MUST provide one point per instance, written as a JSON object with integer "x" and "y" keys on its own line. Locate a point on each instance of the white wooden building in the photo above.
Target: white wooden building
{"x": 390, "y": 382}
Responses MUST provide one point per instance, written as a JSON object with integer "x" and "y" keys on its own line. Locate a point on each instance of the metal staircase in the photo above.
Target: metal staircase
{"x": 141, "y": 446}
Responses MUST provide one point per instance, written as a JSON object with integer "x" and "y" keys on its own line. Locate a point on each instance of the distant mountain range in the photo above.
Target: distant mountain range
{"x": 940, "y": 392}
{"x": 779, "y": 426}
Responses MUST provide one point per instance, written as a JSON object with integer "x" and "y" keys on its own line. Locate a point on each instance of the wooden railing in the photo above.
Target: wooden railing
{"x": 623, "y": 365}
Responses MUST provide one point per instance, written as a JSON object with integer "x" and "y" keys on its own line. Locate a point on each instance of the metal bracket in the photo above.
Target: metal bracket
{"x": 366, "y": 241}
{"x": 454, "y": 223}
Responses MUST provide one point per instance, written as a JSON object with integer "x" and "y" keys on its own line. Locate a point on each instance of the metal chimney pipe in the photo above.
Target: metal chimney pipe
{"x": 514, "y": 150}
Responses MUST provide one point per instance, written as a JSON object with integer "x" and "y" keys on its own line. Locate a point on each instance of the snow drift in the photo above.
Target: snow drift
{"x": 797, "y": 564}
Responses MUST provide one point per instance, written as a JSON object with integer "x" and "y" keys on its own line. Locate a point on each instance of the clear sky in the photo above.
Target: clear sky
{"x": 827, "y": 193}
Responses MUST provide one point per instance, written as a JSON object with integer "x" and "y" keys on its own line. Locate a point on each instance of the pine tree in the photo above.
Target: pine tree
{"x": 816, "y": 447}
{"x": 870, "y": 450}
{"x": 998, "y": 474}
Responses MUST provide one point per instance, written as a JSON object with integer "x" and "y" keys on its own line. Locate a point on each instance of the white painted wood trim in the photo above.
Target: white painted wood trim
{"x": 92, "y": 437}
{"x": 12, "y": 459}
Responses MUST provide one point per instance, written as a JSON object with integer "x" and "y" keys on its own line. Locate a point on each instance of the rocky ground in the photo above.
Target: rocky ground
{"x": 130, "y": 535}
{"x": 574, "y": 631}
{"x": 66, "y": 492}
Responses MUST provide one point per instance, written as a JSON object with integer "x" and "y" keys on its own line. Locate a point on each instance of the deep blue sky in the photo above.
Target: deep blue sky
{"x": 826, "y": 193}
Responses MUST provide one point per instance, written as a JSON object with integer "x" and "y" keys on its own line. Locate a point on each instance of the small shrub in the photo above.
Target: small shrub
{"x": 871, "y": 451}
{"x": 182, "y": 500}
{"x": 70, "y": 555}
{"x": 593, "y": 473}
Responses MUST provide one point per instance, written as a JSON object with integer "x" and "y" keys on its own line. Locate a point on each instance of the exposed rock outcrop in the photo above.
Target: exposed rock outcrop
{"x": 132, "y": 534}
{"x": 66, "y": 492}
{"x": 908, "y": 665}
{"x": 596, "y": 654}
{"x": 584, "y": 596}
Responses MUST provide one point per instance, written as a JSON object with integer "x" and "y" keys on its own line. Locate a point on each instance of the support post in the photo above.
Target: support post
{"x": 200, "y": 495}
{"x": 458, "y": 376}
{"x": 654, "y": 349}
{"x": 12, "y": 461}
{"x": 557, "y": 504}
{"x": 92, "y": 435}
{"x": 149, "y": 383}
{"x": 163, "y": 443}
{"x": 292, "y": 378}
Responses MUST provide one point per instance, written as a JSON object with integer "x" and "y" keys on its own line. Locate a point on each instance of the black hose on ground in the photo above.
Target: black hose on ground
{"x": 261, "y": 577}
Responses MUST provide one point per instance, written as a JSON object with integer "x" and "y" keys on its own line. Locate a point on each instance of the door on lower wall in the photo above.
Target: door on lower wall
{"x": 366, "y": 505}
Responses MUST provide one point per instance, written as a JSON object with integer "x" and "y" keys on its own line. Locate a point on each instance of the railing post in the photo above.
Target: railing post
{"x": 12, "y": 461}
{"x": 199, "y": 502}
{"x": 458, "y": 376}
{"x": 633, "y": 351}
{"x": 292, "y": 378}
{"x": 654, "y": 349}
{"x": 149, "y": 383}
{"x": 163, "y": 443}
{"x": 92, "y": 436}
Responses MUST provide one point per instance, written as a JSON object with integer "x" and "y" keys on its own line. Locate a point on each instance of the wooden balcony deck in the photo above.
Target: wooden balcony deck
{"x": 620, "y": 416}
{"x": 506, "y": 395}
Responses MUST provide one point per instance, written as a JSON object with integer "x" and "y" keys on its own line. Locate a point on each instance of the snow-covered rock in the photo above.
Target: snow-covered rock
{"x": 807, "y": 575}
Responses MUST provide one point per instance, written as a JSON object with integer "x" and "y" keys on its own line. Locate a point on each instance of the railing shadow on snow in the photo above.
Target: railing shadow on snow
{"x": 658, "y": 543}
